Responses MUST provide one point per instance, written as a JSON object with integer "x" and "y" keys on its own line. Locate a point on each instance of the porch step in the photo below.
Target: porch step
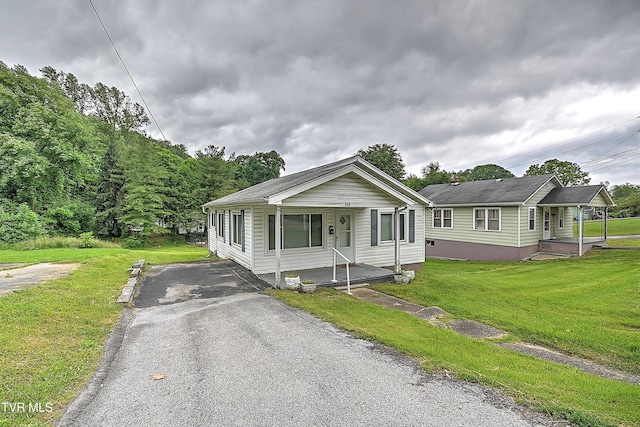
{"x": 353, "y": 286}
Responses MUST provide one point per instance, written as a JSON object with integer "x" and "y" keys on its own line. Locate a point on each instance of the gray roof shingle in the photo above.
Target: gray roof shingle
{"x": 259, "y": 193}
{"x": 504, "y": 191}
{"x": 582, "y": 195}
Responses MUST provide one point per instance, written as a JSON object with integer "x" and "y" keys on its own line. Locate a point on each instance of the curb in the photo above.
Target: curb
{"x": 127, "y": 294}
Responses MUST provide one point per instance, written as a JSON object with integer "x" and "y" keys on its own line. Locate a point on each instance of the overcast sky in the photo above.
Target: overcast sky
{"x": 461, "y": 83}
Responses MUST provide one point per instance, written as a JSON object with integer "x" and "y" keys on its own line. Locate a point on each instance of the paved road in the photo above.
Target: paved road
{"x": 249, "y": 360}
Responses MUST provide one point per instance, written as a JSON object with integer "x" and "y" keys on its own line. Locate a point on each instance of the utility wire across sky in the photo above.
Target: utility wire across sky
{"x": 127, "y": 70}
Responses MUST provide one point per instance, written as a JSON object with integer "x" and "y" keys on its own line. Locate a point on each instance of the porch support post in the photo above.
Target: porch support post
{"x": 278, "y": 233}
{"x": 396, "y": 241}
{"x": 606, "y": 219}
{"x": 580, "y": 230}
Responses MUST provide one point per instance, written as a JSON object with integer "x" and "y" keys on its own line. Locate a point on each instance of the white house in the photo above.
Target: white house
{"x": 349, "y": 205}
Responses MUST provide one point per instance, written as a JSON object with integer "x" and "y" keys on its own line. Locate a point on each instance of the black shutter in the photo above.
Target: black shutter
{"x": 242, "y": 226}
{"x": 374, "y": 227}
{"x": 412, "y": 226}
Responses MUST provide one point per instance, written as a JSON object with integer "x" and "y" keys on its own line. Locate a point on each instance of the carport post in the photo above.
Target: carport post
{"x": 278, "y": 246}
{"x": 396, "y": 242}
{"x": 580, "y": 229}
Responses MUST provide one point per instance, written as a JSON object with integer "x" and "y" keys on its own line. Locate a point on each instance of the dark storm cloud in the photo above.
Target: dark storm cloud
{"x": 459, "y": 82}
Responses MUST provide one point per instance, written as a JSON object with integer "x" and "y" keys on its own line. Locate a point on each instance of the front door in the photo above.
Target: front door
{"x": 344, "y": 235}
{"x": 546, "y": 224}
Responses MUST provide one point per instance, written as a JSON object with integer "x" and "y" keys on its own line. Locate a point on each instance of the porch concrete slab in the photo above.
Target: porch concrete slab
{"x": 358, "y": 273}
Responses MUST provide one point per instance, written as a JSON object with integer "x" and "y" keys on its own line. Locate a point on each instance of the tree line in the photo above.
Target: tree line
{"x": 74, "y": 158}
{"x": 387, "y": 158}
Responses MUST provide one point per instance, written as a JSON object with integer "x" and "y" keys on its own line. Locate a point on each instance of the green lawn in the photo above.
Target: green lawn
{"x": 52, "y": 335}
{"x": 588, "y": 306}
{"x": 615, "y": 227}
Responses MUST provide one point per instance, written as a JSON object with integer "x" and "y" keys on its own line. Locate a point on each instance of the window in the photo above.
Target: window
{"x": 386, "y": 227}
{"x": 532, "y": 219}
{"x": 238, "y": 228}
{"x": 494, "y": 219}
{"x": 383, "y": 227}
{"x": 560, "y": 218}
{"x": 443, "y": 218}
{"x": 221, "y": 224}
{"x": 487, "y": 219}
{"x": 298, "y": 231}
{"x": 479, "y": 219}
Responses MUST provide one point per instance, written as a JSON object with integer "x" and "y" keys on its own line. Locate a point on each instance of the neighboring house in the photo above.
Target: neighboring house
{"x": 508, "y": 219}
{"x": 349, "y": 205}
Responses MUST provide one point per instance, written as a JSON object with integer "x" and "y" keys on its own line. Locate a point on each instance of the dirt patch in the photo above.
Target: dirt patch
{"x": 20, "y": 278}
{"x": 473, "y": 329}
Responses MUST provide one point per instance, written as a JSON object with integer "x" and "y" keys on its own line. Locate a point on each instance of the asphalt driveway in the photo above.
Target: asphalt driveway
{"x": 173, "y": 283}
{"x": 247, "y": 359}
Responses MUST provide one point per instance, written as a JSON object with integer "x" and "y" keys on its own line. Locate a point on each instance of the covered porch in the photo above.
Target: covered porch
{"x": 569, "y": 245}
{"x": 563, "y": 214}
{"x": 323, "y": 276}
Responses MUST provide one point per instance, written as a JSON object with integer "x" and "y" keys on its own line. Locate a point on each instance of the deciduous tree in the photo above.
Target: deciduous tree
{"x": 386, "y": 158}
{"x": 569, "y": 173}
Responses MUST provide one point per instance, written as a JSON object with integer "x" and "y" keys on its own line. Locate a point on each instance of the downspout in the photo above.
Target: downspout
{"x": 279, "y": 283}
{"x": 606, "y": 217}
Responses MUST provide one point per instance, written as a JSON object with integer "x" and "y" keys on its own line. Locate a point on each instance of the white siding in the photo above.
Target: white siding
{"x": 211, "y": 233}
{"x": 226, "y": 248}
{"x": 383, "y": 255}
{"x": 349, "y": 190}
{"x": 290, "y": 259}
{"x": 303, "y": 258}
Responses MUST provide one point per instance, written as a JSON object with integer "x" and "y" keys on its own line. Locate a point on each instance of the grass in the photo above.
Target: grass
{"x": 624, "y": 243}
{"x": 589, "y": 307}
{"x": 615, "y": 227}
{"x": 59, "y": 242}
{"x": 52, "y": 334}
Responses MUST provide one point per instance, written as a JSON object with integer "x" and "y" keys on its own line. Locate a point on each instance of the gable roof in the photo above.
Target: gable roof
{"x": 275, "y": 190}
{"x": 498, "y": 192}
{"x": 581, "y": 195}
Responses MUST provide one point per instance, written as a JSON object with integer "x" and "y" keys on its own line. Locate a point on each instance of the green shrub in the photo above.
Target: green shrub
{"x": 18, "y": 222}
{"x": 133, "y": 242}
{"x": 87, "y": 240}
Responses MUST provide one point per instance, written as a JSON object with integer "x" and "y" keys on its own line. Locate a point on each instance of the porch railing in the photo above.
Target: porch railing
{"x": 335, "y": 263}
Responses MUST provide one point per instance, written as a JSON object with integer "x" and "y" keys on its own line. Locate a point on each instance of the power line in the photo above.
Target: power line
{"x": 127, "y": 70}
{"x": 574, "y": 149}
{"x": 616, "y": 164}
{"x": 611, "y": 149}
{"x": 570, "y": 140}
